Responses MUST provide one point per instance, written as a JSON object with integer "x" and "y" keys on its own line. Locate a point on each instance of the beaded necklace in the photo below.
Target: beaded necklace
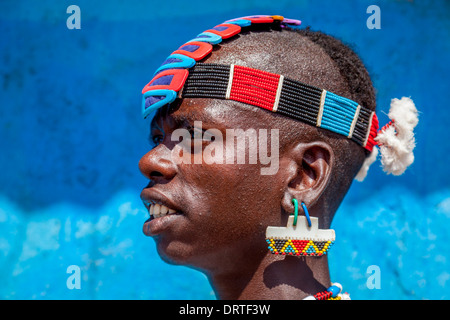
{"x": 332, "y": 293}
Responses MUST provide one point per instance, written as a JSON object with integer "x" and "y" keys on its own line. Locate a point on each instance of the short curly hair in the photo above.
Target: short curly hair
{"x": 349, "y": 64}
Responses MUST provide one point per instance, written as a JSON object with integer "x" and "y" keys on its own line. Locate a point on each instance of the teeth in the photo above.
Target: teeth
{"x": 156, "y": 210}
{"x": 159, "y": 210}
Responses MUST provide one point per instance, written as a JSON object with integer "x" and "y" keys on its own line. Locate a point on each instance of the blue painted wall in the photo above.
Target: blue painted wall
{"x": 71, "y": 136}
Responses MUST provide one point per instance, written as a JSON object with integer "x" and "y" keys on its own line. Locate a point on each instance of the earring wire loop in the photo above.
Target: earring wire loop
{"x": 306, "y": 214}
{"x": 295, "y": 211}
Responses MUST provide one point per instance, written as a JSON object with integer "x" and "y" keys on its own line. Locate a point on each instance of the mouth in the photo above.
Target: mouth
{"x": 157, "y": 210}
{"x": 162, "y": 210}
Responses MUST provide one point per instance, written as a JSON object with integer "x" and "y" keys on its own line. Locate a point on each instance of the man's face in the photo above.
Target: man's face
{"x": 222, "y": 209}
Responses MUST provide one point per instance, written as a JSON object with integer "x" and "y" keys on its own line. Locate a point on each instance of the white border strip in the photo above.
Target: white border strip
{"x": 277, "y": 96}
{"x": 355, "y": 118}
{"x": 230, "y": 82}
{"x": 322, "y": 102}
{"x": 368, "y": 129}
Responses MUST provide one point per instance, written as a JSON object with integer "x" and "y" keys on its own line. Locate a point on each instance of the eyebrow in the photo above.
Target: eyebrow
{"x": 191, "y": 116}
{"x": 187, "y": 118}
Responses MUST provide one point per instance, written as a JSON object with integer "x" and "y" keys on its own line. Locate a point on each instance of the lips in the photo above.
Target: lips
{"x": 162, "y": 210}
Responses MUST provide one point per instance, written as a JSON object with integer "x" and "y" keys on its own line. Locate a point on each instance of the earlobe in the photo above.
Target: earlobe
{"x": 310, "y": 171}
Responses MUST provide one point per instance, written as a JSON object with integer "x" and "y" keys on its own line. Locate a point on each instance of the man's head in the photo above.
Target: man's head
{"x": 224, "y": 209}
{"x": 320, "y": 60}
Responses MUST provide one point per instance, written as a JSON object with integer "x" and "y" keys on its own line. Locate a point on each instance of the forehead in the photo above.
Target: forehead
{"x": 214, "y": 114}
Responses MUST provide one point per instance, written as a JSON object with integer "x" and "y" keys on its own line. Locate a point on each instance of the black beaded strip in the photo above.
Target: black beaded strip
{"x": 207, "y": 81}
{"x": 299, "y": 101}
{"x": 361, "y": 126}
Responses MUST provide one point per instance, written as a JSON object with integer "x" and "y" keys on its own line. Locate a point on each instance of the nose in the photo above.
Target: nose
{"x": 157, "y": 165}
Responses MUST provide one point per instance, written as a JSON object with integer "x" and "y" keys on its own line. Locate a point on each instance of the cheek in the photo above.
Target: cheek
{"x": 233, "y": 197}
{"x": 222, "y": 194}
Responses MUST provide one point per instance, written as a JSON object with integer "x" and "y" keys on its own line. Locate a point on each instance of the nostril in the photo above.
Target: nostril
{"x": 155, "y": 174}
{"x": 158, "y": 177}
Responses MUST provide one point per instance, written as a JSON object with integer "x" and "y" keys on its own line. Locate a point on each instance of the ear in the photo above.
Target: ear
{"x": 309, "y": 171}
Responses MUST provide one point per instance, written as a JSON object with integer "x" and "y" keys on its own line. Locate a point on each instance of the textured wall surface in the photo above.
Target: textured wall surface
{"x": 72, "y": 134}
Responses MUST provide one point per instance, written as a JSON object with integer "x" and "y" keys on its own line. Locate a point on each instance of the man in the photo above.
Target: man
{"x": 213, "y": 215}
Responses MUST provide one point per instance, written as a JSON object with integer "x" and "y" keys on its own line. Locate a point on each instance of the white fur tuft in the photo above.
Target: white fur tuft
{"x": 366, "y": 165}
{"x": 396, "y": 142}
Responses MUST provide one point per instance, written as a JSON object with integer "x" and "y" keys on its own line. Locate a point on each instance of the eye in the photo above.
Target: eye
{"x": 157, "y": 139}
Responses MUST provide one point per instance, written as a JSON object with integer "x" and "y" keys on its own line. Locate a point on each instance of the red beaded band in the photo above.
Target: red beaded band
{"x": 254, "y": 87}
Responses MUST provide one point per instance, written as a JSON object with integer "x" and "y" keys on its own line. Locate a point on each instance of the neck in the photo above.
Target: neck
{"x": 276, "y": 277}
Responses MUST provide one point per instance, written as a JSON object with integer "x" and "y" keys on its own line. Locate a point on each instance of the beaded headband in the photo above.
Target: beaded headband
{"x": 181, "y": 76}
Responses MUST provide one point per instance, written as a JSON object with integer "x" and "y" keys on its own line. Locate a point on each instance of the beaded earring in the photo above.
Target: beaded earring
{"x": 301, "y": 236}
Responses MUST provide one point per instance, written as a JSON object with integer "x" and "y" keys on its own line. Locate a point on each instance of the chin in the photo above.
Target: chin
{"x": 178, "y": 253}
{"x": 173, "y": 252}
